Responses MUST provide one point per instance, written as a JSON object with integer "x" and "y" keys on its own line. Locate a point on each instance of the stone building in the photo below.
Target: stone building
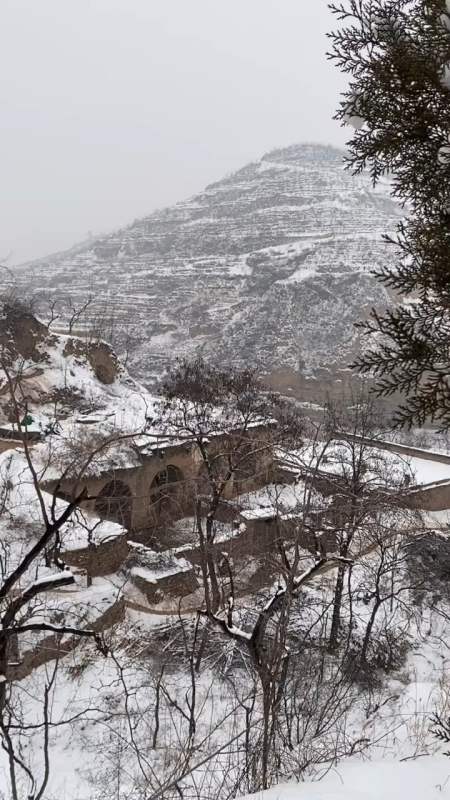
{"x": 164, "y": 483}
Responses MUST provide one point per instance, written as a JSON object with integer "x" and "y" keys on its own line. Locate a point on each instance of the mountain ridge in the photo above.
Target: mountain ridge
{"x": 269, "y": 266}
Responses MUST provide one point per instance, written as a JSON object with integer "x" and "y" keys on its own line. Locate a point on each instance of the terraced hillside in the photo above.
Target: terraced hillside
{"x": 269, "y": 266}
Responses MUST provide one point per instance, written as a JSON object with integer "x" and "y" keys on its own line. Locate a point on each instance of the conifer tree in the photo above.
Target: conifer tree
{"x": 397, "y": 56}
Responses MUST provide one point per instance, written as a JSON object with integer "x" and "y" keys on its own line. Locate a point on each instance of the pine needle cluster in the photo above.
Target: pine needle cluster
{"x": 396, "y": 54}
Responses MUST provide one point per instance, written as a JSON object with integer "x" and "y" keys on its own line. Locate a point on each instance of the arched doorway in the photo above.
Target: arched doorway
{"x": 165, "y": 489}
{"x": 115, "y": 502}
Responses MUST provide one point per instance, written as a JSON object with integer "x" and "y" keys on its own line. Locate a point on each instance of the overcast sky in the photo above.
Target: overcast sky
{"x": 112, "y": 108}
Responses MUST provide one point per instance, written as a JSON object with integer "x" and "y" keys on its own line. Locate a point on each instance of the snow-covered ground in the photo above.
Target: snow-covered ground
{"x": 394, "y": 719}
{"x": 336, "y": 458}
{"x": 420, "y": 779}
{"x": 402, "y": 762}
{"x": 279, "y": 500}
{"x": 425, "y": 471}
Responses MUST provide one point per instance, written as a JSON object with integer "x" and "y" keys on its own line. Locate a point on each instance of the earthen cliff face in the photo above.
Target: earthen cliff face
{"x": 47, "y": 367}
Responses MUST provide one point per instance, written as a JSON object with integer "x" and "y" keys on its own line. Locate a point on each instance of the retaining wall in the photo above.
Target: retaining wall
{"x": 101, "y": 559}
{"x": 178, "y": 585}
{"x": 401, "y": 449}
{"x": 55, "y": 646}
{"x": 430, "y": 497}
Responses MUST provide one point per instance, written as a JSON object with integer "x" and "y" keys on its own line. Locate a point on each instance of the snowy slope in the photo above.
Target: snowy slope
{"x": 421, "y": 779}
{"x": 403, "y": 760}
{"x": 269, "y": 266}
{"x": 76, "y": 394}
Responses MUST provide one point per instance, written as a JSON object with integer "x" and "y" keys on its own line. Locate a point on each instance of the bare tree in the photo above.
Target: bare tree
{"x": 21, "y": 587}
{"x": 385, "y": 581}
{"x": 230, "y": 420}
{"x": 367, "y": 482}
{"x": 266, "y": 641}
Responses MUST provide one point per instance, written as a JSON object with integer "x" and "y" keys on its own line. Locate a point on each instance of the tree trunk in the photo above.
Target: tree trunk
{"x": 204, "y": 558}
{"x": 368, "y": 634}
{"x": 213, "y": 581}
{"x": 337, "y": 602}
{"x": 265, "y": 752}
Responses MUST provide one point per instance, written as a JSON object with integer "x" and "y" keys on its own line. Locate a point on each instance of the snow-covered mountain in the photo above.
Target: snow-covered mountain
{"x": 268, "y": 267}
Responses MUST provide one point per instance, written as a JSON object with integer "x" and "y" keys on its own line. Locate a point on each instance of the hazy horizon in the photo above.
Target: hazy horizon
{"x": 114, "y": 108}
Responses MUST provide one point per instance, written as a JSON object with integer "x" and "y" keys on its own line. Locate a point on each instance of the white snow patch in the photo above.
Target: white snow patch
{"x": 421, "y": 779}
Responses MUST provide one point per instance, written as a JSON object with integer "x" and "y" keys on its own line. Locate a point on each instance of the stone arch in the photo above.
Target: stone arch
{"x": 165, "y": 486}
{"x": 114, "y": 502}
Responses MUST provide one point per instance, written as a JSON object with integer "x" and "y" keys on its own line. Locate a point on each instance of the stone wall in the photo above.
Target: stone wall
{"x": 259, "y": 538}
{"x": 9, "y": 444}
{"x": 146, "y": 509}
{"x": 52, "y": 647}
{"x": 12, "y": 440}
{"x": 402, "y": 449}
{"x": 431, "y": 497}
{"x": 178, "y": 585}
{"x": 101, "y": 559}
{"x": 428, "y": 497}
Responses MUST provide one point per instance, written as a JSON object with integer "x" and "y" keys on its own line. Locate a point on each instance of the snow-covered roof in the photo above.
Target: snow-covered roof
{"x": 152, "y": 566}
{"x": 280, "y": 500}
{"x": 21, "y": 520}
